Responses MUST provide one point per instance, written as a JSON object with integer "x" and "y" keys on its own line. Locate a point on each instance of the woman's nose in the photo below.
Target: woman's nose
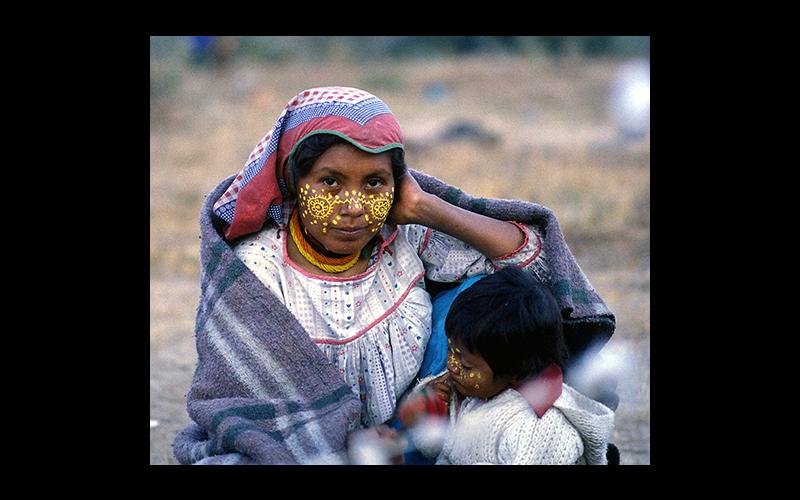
{"x": 353, "y": 206}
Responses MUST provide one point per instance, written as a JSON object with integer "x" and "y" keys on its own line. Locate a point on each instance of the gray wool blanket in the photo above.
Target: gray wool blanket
{"x": 263, "y": 393}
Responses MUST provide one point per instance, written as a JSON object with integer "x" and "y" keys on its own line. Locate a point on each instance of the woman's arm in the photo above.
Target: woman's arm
{"x": 491, "y": 237}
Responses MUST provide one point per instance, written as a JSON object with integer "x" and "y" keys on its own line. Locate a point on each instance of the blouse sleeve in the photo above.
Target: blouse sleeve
{"x": 448, "y": 259}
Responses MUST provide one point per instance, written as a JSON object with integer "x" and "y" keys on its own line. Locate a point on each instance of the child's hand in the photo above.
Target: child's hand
{"x": 431, "y": 401}
{"x": 442, "y": 387}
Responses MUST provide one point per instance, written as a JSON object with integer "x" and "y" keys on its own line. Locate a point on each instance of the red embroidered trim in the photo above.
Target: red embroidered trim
{"x": 535, "y": 254}
{"x": 372, "y": 325}
{"x": 524, "y": 243}
{"x": 425, "y": 242}
{"x": 389, "y": 240}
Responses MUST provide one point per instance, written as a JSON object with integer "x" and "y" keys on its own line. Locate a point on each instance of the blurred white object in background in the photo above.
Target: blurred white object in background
{"x": 629, "y": 102}
{"x": 430, "y": 432}
{"x": 153, "y": 423}
{"x": 610, "y": 368}
{"x": 366, "y": 449}
{"x": 370, "y": 447}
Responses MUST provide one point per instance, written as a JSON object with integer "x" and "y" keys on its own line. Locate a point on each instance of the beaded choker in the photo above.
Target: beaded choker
{"x": 327, "y": 264}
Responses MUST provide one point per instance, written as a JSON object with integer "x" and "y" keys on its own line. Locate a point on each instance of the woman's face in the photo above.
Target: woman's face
{"x": 345, "y": 198}
{"x": 471, "y": 375}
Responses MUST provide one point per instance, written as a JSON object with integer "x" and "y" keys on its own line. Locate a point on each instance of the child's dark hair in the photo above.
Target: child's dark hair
{"x": 312, "y": 148}
{"x": 512, "y": 321}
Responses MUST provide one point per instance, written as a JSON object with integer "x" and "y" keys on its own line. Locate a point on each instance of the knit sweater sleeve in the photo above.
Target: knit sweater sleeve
{"x": 529, "y": 440}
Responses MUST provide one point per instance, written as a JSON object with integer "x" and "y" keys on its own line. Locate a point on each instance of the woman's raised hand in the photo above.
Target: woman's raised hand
{"x": 408, "y": 200}
{"x": 489, "y": 236}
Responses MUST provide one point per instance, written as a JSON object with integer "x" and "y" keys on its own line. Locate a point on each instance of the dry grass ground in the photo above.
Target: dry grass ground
{"x": 554, "y": 146}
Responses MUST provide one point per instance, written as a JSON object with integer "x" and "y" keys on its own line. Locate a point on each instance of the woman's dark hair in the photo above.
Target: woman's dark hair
{"x": 512, "y": 321}
{"x": 312, "y": 148}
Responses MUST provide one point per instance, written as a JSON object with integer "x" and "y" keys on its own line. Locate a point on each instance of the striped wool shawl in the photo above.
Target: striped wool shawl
{"x": 263, "y": 393}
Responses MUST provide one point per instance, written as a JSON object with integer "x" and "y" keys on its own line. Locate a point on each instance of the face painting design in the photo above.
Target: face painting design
{"x": 467, "y": 378}
{"x": 321, "y": 207}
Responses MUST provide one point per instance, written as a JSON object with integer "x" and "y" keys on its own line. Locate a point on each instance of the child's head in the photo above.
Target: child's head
{"x": 502, "y": 330}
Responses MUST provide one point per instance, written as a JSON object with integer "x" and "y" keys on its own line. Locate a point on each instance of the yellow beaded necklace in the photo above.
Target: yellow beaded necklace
{"x": 318, "y": 260}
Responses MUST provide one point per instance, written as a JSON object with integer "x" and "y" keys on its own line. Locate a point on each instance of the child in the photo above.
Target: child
{"x": 509, "y": 404}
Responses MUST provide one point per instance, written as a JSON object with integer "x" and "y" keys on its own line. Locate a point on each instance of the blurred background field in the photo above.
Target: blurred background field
{"x": 508, "y": 117}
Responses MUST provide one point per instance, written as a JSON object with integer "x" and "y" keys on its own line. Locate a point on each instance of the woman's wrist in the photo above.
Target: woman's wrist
{"x": 426, "y": 210}
{"x": 491, "y": 237}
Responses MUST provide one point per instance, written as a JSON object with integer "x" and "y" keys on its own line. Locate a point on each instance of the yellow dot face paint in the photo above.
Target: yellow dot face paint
{"x": 470, "y": 381}
{"x": 379, "y": 207}
{"x": 320, "y": 207}
{"x": 456, "y": 368}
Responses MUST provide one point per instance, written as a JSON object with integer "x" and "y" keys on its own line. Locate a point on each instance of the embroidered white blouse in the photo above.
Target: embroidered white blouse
{"x": 374, "y": 326}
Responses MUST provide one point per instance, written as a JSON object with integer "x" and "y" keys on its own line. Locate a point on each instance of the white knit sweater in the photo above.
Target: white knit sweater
{"x": 506, "y": 430}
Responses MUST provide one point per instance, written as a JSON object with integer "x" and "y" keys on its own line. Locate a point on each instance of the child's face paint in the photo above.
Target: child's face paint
{"x": 346, "y": 197}
{"x": 471, "y": 375}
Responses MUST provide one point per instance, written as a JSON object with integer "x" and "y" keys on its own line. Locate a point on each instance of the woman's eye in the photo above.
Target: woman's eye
{"x": 329, "y": 181}
{"x": 374, "y": 183}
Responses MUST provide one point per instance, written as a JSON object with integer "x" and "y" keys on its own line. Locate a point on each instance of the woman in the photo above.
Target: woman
{"x": 327, "y": 326}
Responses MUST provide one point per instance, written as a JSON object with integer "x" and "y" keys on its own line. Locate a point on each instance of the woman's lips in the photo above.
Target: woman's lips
{"x": 349, "y": 231}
